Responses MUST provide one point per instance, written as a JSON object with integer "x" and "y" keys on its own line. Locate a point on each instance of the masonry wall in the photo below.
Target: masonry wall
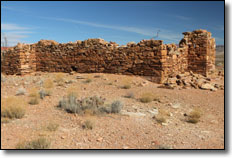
{"x": 201, "y": 51}
{"x": 150, "y": 58}
{"x": 96, "y": 55}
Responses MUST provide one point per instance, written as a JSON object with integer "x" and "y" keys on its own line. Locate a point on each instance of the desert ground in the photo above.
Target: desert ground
{"x": 164, "y": 122}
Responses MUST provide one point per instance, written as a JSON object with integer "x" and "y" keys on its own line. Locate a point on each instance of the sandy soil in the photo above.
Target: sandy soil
{"x": 133, "y": 128}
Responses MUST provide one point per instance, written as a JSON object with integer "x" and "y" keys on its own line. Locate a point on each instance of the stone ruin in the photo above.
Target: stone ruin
{"x": 149, "y": 58}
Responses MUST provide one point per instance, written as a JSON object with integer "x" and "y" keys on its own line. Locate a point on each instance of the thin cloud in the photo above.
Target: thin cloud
{"x": 14, "y": 33}
{"x": 182, "y": 17}
{"x": 150, "y": 32}
{"x": 14, "y": 9}
{"x": 9, "y": 27}
{"x": 121, "y": 28}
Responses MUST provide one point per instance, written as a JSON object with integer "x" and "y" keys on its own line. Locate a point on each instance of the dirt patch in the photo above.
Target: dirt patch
{"x": 133, "y": 128}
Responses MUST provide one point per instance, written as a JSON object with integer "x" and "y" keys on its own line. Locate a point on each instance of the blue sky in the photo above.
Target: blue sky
{"x": 121, "y": 22}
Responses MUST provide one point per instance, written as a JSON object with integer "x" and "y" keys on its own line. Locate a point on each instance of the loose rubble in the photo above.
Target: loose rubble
{"x": 191, "y": 80}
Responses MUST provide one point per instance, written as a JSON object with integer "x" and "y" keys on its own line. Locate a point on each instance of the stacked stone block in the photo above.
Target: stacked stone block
{"x": 201, "y": 51}
{"x": 150, "y": 58}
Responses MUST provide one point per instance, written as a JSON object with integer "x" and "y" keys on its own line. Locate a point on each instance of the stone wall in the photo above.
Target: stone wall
{"x": 201, "y": 51}
{"x": 150, "y": 58}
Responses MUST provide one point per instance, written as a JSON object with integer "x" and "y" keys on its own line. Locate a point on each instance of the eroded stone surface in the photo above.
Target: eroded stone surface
{"x": 151, "y": 58}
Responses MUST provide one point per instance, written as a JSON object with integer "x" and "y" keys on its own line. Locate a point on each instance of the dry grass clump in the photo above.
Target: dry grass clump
{"x": 48, "y": 83}
{"x": 40, "y": 143}
{"x": 3, "y": 78}
{"x": 130, "y": 95}
{"x": 5, "y": 120}
{"x": 126, "y": 86}
{"x": 21, "y": 91}
{"x": 44, "y": 92}
{"x": 34, "y": 96}
{"x": 59, "y": 79}
{"x": 88, "y": 124}
{"x": 12, "y": 108}
{"x": 33, "y": 101}
{"x": 148, "y": 97}
{"x": 194, "y": 116}
{"x": 160, "y": 118}
{"x": 97, "y": 76}
{"x": 34, "y": 92}
{"x": 126, "y": 83}
{"x": 88, "y": 80}
{"x": 52, "y": 126}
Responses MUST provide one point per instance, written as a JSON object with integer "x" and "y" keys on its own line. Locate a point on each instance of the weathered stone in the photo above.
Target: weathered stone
{"x": 207, "y": 86}
{"x": 149, "y": 58}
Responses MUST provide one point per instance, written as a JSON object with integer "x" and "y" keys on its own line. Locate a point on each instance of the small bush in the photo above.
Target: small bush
{"x": 116, "y": 106}
{"x": 3, "y": 79}
{"x": 88, "y": 125}
{"x": 145, "y": 99}
{"x": 126, "y": 83}
{"x": 130, "y": 95}
{"x": 59, "y": 79}
{"x": 194, "y": 116}
{"x": 160, "y": 118}
{"x": 89, "y": 105}
{"x": 88, "y": 81}
{"x": 126, "y": 86}
{"x": 40, "y": 143}
{"x": 21, "y": 91}
{"x": 5, "y": 120}
{"x": 52, "y": 127}
{"x": 70, "y": 104}
{"x": 148, "y": 97}
{"x": 34, "y": 92}
{"x": 192, "y": 120}
{"x": 13, "y": 107}
{"x": 34, "y": 101}
{"x": 48, "y": 84}
{"x": 44, "y": 93}
{"x": 97, "y": 76}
